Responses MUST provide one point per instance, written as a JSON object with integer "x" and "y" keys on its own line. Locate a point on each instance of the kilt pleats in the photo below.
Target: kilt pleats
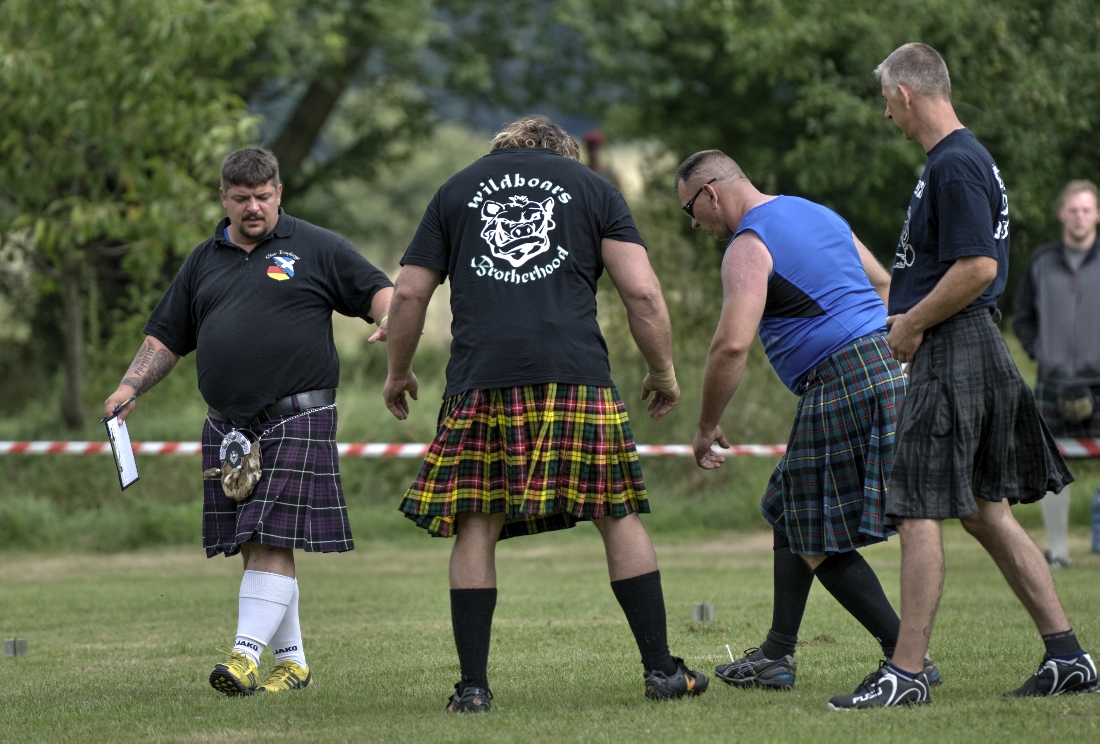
{"x": 545, "y": 455}
{"x": 827, "y": 494}
{"x": 298, "y": 502}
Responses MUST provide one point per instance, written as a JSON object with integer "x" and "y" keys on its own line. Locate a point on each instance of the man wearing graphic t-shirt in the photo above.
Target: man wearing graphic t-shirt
{"x": 970, "y": 440}
{"x": 532, "y": 433}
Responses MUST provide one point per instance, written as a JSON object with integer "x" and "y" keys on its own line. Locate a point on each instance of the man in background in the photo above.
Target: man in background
{"x": 1057, "y": 319}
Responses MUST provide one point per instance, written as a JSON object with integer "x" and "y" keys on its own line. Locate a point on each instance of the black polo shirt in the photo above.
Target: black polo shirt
{"x": 261, "y": 322}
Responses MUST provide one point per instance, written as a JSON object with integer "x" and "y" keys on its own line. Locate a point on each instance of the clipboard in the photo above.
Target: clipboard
{"x": 123, "y": 452}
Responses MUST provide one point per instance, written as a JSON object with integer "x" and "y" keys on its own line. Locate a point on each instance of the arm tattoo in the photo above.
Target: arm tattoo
{"x": 149, "y": 367}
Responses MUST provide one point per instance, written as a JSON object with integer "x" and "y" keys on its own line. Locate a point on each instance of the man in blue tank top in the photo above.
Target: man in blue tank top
{"x": 794, "y": 272}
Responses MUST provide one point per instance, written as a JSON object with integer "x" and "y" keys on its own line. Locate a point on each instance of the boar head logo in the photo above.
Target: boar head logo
{"x": 517, "y": 231}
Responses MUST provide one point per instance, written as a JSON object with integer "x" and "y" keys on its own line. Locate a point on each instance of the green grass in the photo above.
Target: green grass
{"x": 121, "y": 645}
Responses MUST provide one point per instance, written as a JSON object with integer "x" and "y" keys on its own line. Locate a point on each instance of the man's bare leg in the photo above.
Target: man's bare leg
{"x": 629, "y": 550}
{"x": 1021, "y": 562}
{"x": 268, "y": 559}
{"x": 922, "y": 574}
{"x": 473, "y": 599}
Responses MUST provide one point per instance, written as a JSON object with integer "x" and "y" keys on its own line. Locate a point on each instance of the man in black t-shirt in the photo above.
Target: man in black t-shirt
{"x": 255, "y": 302}
{"x": 970, "y": 440}
{"x": 532, "y": 434}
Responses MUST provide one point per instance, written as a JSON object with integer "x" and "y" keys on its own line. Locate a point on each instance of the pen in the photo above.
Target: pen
{"x": 125, "y": 403}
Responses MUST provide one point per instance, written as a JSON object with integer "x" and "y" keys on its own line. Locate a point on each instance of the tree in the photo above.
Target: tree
{"x": 786, "y": 88}
{"x": 114, "y": 115}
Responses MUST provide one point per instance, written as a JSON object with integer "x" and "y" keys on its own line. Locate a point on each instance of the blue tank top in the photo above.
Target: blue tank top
{"x": 819, "y": 296}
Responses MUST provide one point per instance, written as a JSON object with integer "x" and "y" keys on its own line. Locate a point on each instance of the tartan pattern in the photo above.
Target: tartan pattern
{"x": 828, "y": 493}
{"x": 1046, "y": 398}
{"x": 298, "y": 503}
{"x": 969, "y": 428}
{"x": 546, "y": 455}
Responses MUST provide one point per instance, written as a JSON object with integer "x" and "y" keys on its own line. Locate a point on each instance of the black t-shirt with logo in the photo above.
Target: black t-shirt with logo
{"x": 261, "y": 322}
{"x": 518, "y": 233}
{"x": 959, "y": 208}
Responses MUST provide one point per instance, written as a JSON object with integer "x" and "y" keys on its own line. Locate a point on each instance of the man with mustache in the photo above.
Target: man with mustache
{"x": 256, "y": 301}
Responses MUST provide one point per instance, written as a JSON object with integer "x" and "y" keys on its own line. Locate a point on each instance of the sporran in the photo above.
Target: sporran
{"x": 241, "y": 469}
{"x": 1075, "y": 403}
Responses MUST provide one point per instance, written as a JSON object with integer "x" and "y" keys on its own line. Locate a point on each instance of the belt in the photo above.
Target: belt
{"x": 284, "y": 407}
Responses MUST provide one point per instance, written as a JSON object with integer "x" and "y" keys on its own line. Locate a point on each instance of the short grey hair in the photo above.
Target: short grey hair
{"x": 251, "y": 167}
{"x": 708, "y": 164}
{"x": 919, "y": 67}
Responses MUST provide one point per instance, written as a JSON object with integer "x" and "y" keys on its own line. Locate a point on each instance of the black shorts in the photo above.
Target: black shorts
{"x": 969, "y": 428}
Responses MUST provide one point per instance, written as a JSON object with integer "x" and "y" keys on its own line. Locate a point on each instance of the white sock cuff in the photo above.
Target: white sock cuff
{"x": 268, "y": 586}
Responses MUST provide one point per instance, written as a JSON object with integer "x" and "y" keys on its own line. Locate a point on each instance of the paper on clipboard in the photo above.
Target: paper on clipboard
{"x": 123, "y": 451}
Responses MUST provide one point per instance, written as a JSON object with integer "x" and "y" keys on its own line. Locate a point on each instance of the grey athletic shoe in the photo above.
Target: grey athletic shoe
{"x": 755, "y": 670}
{"x": 884, "y": 689}
{"x": 1058, "y": 677}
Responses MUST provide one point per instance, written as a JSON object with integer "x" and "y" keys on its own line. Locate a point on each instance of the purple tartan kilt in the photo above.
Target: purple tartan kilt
{"x": 298, "y": 502}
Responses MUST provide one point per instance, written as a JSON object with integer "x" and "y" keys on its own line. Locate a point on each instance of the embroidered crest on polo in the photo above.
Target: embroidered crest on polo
{"x": 282, "y": 267}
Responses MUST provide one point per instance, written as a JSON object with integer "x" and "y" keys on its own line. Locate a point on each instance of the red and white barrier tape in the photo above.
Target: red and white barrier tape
{"x": 1071, "y": 448}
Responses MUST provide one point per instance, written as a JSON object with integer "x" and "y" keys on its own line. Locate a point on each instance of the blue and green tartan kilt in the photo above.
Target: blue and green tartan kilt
{"x": 828, "y": 493}
{"x": 546, "y": 456}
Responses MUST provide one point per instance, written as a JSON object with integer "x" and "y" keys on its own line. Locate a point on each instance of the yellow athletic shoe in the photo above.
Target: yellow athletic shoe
{"x": 286, "y": 675}
{"x": 236, "y": 675}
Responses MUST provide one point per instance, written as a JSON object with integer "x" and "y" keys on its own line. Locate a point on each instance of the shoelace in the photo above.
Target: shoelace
{"x": 871, "y": 679}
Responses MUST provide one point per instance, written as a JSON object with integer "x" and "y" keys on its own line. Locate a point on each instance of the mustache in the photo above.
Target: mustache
{"x": 252, "y": 216}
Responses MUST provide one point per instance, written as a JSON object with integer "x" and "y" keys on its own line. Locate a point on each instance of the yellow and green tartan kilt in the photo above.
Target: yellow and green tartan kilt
{"x": 546, "y": 455}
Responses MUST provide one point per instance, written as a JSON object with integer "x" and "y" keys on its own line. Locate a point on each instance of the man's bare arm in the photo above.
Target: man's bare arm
{"x": 379, "y": 309}
{"x": 745, "y": 271}
{"x": 628, "y": 266}
{"x": 152, "y": 364}
{"x": 963, "y": 283}
{"x": 408, "y": 309}
{"x": 876, "y": 272}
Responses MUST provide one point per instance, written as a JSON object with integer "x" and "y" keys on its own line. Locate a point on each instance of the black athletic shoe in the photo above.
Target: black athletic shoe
{"x": 883, "y": 689}
{"x": 932, "y": 671}
{"x": 754, "y": 670}
{"x": 469, "y": 699}
{"x": 1057, "y": 677}
{"x": 661, "y": 686}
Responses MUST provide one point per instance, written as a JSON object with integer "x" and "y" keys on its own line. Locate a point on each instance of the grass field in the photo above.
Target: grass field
{"x": 121, "y": 645}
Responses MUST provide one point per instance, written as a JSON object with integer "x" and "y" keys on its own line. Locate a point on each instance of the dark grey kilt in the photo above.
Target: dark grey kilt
{"x": 969, "y": 428}
{"x": 1046, "y": 397}
{"x": 298, "y": 502}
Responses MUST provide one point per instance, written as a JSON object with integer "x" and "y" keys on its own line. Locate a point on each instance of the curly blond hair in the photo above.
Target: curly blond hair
{"x": 536, "y": 130}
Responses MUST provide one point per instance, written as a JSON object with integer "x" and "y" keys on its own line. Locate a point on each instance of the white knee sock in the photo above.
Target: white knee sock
{"x": 286, "y": 644}
{"x": 263, "y": 601}
{"x": 1056, "y": 518}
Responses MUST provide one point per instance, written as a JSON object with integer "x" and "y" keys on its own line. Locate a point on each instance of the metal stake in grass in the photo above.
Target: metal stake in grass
{"x": 732, "y": 660}
{"x": 15, "y": 647}
{"x": 703, "y": 613}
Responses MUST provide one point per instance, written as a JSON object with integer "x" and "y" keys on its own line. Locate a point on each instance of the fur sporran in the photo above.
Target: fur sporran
{"x": 1075, "y": 403}
{"x": 240, "y": 470}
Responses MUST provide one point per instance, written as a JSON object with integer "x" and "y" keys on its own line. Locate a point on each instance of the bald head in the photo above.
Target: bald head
{"x": 706, "y": 165}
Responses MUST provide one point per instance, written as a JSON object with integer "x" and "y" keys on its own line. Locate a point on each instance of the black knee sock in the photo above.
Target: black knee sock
{"x": 472, "y": 620}
{"x": 1063, "y": 645}
{"x": 791, "y": 580}
{"x": 854, "y": 584}
{"x": 643, "y": 602}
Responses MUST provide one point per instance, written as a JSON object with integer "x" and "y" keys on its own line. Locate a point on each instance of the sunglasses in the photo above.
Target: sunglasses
{"x": 689, "y": 208}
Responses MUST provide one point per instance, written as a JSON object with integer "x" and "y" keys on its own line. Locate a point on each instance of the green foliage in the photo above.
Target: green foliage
{"x": 786, "y": 88}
